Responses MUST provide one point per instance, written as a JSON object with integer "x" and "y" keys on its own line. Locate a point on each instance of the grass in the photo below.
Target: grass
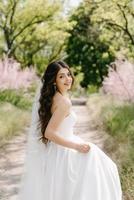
{"x": 116, "y": 119}
{"x": 120, "y": 125}
{"x": 17, "y": 98}
{"x": 12, "y": 121}
{"x": 119, "y": 121}
{"x": 15, "y": 112}
{"x": 21, "y": 98}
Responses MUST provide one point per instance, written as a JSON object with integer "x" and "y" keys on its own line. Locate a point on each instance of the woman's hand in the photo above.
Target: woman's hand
{"x": 82, "y": 147}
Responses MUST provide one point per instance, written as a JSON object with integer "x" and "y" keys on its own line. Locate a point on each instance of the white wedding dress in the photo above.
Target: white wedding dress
{"x": 59, "y": 173}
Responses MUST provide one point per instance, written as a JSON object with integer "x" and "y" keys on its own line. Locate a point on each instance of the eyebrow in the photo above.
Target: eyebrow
{"x": 63, "y": 73}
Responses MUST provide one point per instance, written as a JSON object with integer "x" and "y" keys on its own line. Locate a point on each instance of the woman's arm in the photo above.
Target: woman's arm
{"x": 51, "y": 132}
{"x": 52, "y": 129}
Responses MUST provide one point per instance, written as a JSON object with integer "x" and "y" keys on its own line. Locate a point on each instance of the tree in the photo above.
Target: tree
{"x": 17, "y": 20}
{"x": 103, "y": 28}
{"x": 28, "y": 27}
{"x": 86, "y": 48}
{"x": 116, "y": 18}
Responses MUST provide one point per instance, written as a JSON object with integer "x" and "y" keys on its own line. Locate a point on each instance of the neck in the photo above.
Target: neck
{"x": 65, "y": 93}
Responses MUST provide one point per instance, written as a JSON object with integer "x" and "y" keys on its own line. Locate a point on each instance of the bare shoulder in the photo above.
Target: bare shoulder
{"x": 61, "y": 102}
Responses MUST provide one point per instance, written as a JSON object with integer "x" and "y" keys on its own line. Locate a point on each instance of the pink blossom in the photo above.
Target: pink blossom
{"x": 120, "y": 80}
{"x": 13, "y": 77}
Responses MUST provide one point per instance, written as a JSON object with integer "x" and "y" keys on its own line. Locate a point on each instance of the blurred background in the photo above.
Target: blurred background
{"x": 96, "y": 39}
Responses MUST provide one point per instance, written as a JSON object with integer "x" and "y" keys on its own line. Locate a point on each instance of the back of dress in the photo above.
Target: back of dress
{"x": 61, "y": 173}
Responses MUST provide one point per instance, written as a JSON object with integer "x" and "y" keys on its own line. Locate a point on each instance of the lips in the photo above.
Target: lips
{"x": 67, "y": 84}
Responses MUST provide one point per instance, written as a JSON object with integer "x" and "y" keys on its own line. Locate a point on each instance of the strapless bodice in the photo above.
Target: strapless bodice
{"x": 66, "y": 127}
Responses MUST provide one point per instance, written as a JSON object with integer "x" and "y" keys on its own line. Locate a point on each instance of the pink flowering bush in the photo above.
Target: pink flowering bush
{"x": 13, "y": 77}
{"x": 120, "y": 80}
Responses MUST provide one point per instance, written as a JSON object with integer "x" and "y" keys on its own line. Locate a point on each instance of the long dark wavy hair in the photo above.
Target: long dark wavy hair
{"x": 47, "y": 92}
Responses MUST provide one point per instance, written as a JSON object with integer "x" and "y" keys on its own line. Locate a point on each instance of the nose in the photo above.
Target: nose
{"x": 68, "y": 79}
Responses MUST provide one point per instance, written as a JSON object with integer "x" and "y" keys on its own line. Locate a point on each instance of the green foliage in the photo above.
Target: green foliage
{"x": 102, "y": 31}
{"x": 16, "y": 98}
{"x": 116, "y": 120}
{"x": 91, "y": 89}
{"x": 33, "y": 32}
{"x": 12, "y": 121}
{"x": 86, "y": 48}
{"x": 119, "y": 122}
{"x": 15, "y": 111}
{"x": 127, "y": 178}
{"x": 116, "y": 19}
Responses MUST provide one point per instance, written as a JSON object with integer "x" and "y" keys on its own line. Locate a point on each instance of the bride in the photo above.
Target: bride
{"x": 58, "y": 164}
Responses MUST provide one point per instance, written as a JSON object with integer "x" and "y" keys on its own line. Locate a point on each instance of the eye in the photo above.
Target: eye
{"x": 69, "y": 74}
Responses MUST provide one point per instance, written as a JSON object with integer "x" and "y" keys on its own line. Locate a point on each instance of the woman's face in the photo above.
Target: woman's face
{"x": 63, "y": 80}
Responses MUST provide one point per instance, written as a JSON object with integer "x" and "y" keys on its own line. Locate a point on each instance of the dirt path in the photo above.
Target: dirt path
{"x": 12, "y": 155}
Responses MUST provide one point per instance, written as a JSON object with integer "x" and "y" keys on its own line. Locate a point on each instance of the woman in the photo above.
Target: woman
{"x": 60, "y": 165}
